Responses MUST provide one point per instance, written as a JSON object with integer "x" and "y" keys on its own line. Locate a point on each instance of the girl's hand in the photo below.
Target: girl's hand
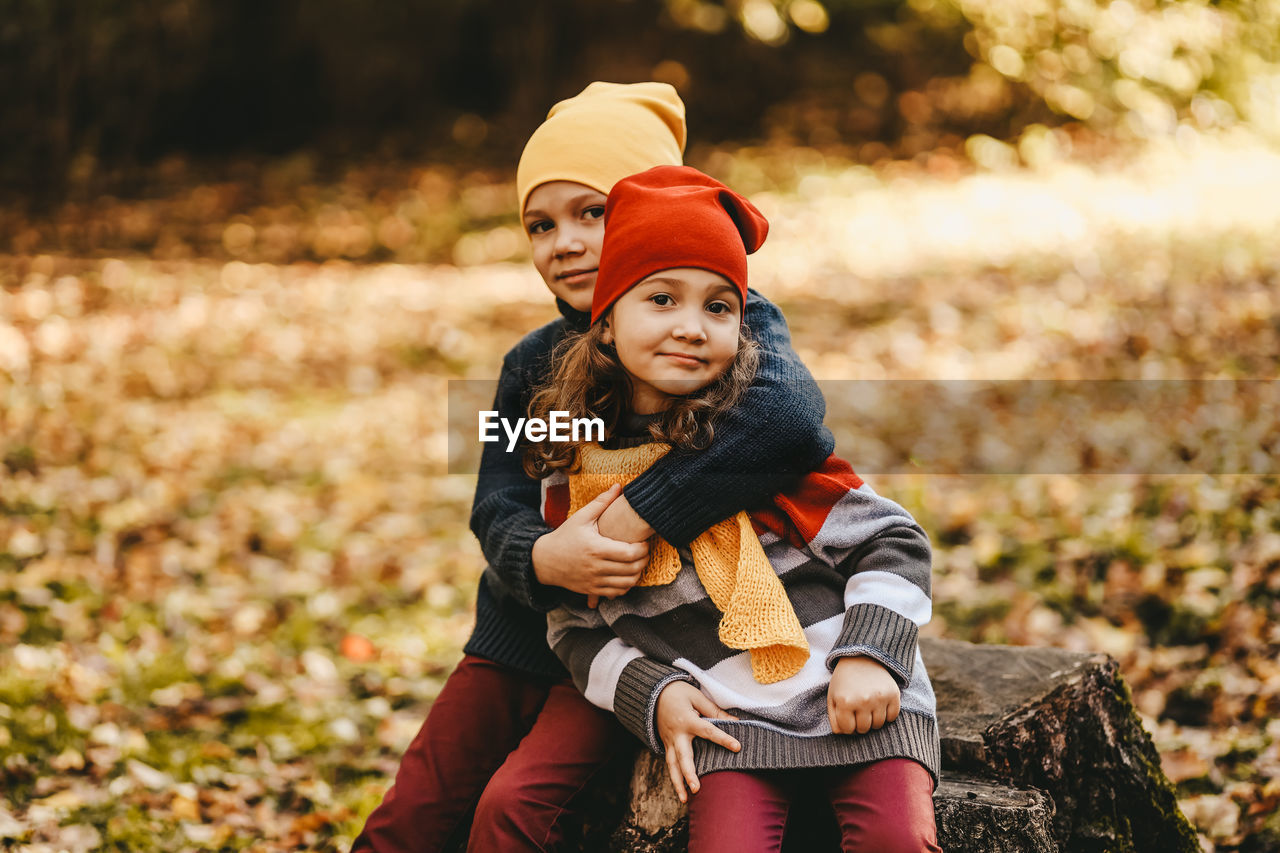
{"x": 862, "y": 696}
{"x": 576, "y": 557}
{"x": 681, "y": 709}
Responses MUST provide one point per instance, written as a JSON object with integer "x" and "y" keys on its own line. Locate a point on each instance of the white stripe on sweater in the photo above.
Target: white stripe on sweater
{"x": 890, "y": 591}
{"x": 606, "y": 669}
{"x": 730, "y": 683}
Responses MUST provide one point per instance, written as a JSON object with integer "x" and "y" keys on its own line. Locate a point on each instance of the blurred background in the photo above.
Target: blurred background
{"x": 245, "y": 246}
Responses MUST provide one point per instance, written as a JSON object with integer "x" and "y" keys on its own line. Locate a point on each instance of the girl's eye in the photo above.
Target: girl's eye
{"x": 660, "y": 299}
{"x": 542, "y": 226}
{"x": 719, "y": 308}
{"x": 595, "y": 211}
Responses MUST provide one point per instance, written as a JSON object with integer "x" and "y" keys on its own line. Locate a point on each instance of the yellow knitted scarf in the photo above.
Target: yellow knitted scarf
{"x": 729, "y": 561}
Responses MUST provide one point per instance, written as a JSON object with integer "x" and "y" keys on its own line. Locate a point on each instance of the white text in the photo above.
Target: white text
{"x": 558, "y": 427}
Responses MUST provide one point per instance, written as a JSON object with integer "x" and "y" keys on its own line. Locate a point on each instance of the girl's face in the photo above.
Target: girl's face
{"x": 565, "y": 224}
{"x": 675, "y": 332}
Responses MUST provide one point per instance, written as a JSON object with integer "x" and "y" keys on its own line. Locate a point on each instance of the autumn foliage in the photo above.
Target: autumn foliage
{"x": 234, "y": 570}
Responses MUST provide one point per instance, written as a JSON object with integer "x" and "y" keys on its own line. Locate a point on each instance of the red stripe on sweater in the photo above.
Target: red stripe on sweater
{"x": 799, "y": 514}
{"x": 555, "y": 500}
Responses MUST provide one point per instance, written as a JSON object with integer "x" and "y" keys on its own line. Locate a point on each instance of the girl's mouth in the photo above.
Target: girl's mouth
{"x": 686, "y": 360}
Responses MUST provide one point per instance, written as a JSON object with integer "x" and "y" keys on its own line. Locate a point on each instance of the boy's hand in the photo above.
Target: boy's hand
{"x": 576, "y": 557}
{"x": 619, "y": 521}
{"x": 681, "y": 708}
{"x": 862, "y": 696}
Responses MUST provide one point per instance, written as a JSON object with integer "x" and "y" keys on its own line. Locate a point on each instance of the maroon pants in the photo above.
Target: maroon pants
{"x": 515, "y": 748}
{"x": 885, "y": 807}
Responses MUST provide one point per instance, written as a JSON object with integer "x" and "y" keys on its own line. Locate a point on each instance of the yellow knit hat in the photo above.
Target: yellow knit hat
{"x": 604, "y": 134}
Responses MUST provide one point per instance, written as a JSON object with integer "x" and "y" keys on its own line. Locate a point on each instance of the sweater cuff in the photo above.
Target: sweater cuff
{"x": 675, "y": 513}
{"x": 636, "y": 700}
{"x": 524, "y": 583}
{"x": 880, "y": 634}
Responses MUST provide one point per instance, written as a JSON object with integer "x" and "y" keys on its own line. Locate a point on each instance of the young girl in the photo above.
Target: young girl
{"x": 509, "y": 737}
{"x": 800, "y": 621}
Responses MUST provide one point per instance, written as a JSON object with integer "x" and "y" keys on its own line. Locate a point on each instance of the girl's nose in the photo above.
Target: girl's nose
{"x": 689, "y": 329}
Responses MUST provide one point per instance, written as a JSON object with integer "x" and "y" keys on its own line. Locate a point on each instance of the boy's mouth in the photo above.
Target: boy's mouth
{"x": 576, "y": 276}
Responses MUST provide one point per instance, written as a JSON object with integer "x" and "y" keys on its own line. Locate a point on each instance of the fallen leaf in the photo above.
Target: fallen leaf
{"x": 357, "y": 648}
{"x": 1183, "y": 764}
{"x": 148, "y": 776}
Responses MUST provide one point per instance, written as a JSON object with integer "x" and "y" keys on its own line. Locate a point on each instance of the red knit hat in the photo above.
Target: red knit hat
{"x": 669, "y": 217}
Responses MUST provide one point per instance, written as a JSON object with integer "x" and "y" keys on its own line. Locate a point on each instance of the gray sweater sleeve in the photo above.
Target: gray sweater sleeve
{"x": 609, "y": 673}
{"x": 885, "y": 557}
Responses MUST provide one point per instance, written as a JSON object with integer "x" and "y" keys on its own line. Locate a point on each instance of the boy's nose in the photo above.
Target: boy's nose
{"x": 569, "y": 242}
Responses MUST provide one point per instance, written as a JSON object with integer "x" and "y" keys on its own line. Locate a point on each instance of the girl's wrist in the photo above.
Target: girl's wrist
{"x": 859, "y": 661}
{"x": 623, "y": 523}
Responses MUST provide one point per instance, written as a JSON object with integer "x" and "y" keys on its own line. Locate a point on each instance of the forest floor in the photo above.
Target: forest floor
{"x": 235, "y": 568}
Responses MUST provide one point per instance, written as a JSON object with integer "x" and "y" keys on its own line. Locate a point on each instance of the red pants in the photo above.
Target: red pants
{"x": 514, "y": 747}
{"x": 885, "y": 807}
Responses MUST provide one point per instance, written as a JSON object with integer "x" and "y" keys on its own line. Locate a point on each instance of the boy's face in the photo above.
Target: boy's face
{"x": 675, "y": 332}
{"x": 565, "y": 224}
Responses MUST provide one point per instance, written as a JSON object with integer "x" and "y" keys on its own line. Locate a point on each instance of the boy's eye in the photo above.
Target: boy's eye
{"x": 542, "y": 226}
{"x": 595, "y": 211}
{"x": 661, "y": 299}
{"x": 719, "y": 308}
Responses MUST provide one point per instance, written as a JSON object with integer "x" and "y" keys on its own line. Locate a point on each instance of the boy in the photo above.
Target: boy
{"x": 509, "y": 733}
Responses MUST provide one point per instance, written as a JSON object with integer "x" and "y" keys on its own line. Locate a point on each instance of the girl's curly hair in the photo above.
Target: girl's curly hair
{"x": 588, "y": 381}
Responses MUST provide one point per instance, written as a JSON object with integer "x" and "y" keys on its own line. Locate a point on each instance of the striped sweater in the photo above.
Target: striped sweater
{"x": 856, "y": 568}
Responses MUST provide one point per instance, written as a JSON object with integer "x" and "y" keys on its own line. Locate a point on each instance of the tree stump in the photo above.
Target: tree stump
{"x": 1041, "y": 751}
{"x": 994, "y": 818}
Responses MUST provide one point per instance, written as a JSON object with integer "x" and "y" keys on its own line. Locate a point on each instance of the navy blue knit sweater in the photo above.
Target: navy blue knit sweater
{"x": 773, "y": 436}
